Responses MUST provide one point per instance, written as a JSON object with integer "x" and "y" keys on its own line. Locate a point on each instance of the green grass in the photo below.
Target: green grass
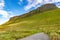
{"x": 47, "y": 22}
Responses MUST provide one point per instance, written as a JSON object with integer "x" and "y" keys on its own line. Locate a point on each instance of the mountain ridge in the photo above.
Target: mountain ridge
{"x": 45, "y": 7}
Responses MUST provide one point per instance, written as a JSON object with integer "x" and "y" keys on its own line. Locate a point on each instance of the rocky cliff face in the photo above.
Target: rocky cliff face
{"x": 47, "y": 7}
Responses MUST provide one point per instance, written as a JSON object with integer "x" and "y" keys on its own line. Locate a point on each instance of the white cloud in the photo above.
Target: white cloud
{"x": 48, "y": 1}
{"x": 21, "y": 0}
{"x": 51, "y": 1}
{"x": 33, "y": 3}
{"x": 5, "y": 16}
{"x": 11, "y": 14}
{"x": 58, "y": 6}
{"x": 57, "y": 0}
{"x": 4, "y": 13}
{"x": 2, "y": 4}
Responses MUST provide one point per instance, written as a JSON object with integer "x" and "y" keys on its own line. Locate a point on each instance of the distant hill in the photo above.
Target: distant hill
{"x": 43, "y": 8}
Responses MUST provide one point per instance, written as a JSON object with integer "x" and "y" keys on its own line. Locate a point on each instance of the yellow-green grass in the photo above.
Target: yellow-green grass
{"x": 47, "y": 22}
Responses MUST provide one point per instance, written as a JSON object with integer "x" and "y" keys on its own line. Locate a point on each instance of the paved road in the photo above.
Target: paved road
{"x": 38, "y": 36}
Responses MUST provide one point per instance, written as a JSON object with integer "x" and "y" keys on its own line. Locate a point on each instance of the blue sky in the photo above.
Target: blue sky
{"x": 10, "y": 8}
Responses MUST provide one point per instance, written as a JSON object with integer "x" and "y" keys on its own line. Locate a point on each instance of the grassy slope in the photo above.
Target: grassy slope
{"x": 48, "y": 22}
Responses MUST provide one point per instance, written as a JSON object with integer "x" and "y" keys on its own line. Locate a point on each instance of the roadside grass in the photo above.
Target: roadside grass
{"x": 47, "y": 22}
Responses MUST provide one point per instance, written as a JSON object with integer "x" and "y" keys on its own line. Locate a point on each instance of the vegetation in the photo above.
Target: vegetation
{"x": 22, "y": 26}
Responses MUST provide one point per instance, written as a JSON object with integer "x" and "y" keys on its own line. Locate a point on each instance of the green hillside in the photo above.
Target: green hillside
{"x": 39, "y": 10}
{"x": 47, "y": 21}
